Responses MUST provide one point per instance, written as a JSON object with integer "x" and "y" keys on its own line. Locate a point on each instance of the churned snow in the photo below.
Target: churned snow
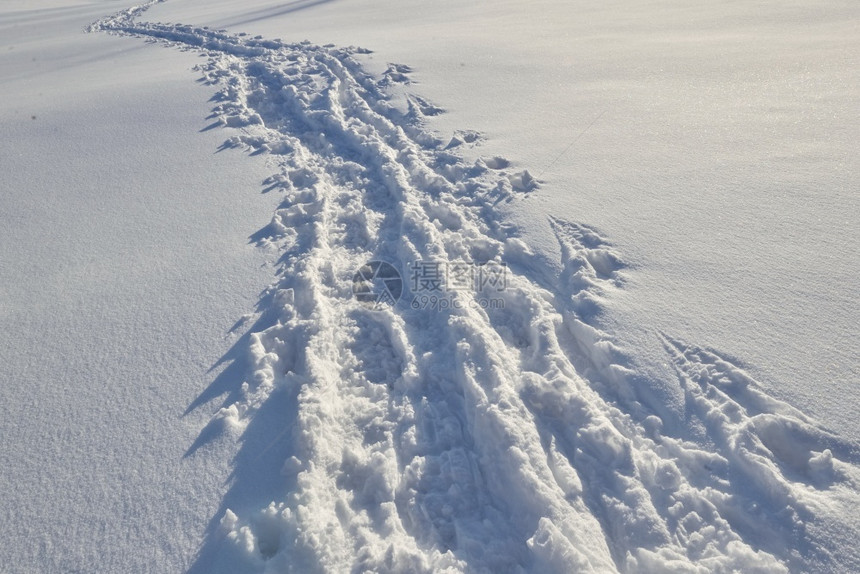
{"x": 539, "y": 287}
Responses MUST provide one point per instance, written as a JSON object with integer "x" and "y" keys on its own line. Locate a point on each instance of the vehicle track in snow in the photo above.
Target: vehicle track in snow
{"x": 483, "y": 438}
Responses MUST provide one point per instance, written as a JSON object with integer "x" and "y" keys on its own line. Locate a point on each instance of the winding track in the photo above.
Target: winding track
{"x": 488, "y": 438}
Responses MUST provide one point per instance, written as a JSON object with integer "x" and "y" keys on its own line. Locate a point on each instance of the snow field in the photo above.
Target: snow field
{"x": 511, "y": 439}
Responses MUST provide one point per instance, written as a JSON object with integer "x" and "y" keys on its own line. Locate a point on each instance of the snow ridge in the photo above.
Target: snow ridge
{"x": 505, "y": 437}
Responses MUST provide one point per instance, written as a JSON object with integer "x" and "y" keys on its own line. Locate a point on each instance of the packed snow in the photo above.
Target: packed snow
{"x": 429, "y": 359}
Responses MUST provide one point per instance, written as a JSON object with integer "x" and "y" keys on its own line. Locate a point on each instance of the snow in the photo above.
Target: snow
{"x": 722, "y": 158}
{"x": 125, "y": 262}
{"x": 634, "y": 186}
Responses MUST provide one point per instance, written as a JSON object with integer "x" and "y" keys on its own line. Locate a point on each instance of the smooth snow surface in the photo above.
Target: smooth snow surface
{"x": 523, "y": 435}
{"x": 124, "y": 262}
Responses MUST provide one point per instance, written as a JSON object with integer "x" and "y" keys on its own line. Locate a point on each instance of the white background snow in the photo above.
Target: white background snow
{"x": 711, "y": 145}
